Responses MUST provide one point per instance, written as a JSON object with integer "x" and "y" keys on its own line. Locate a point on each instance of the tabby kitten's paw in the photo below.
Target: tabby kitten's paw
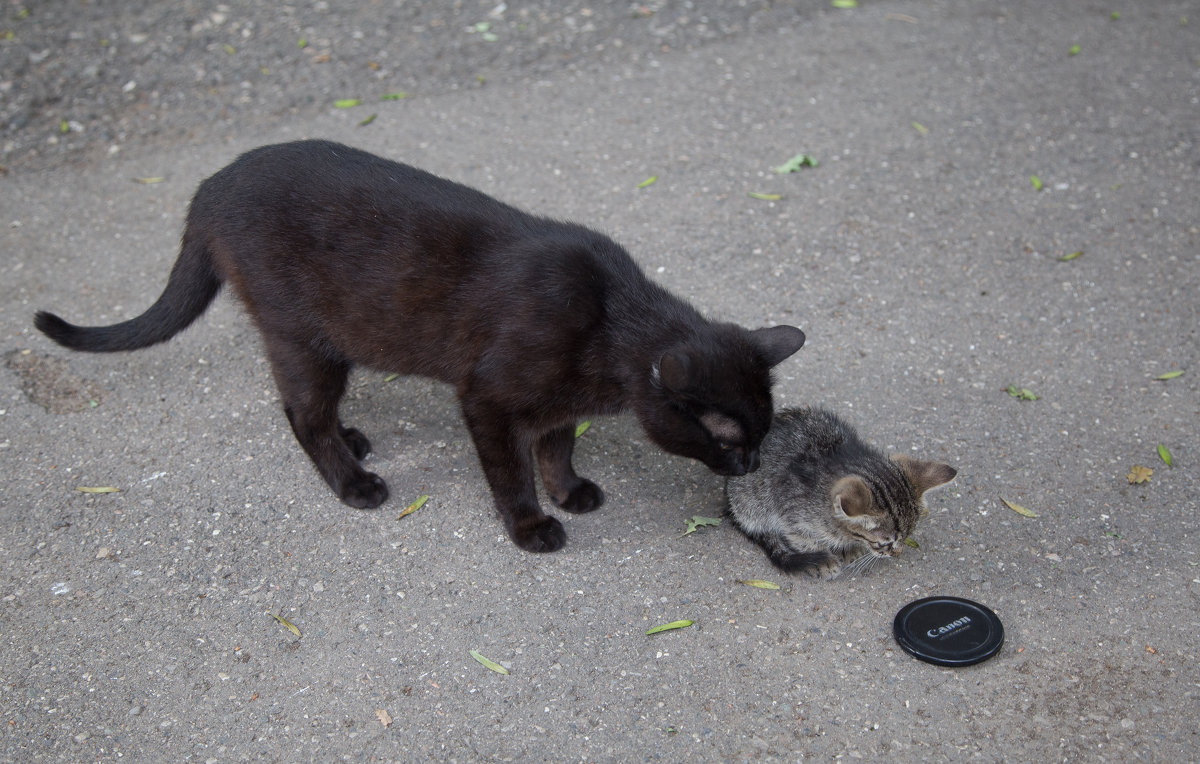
{"x": 584, "y": 497}
{"x": 542, "y": 534}
{"x": 803, "y": 562}
{"x": 356, "y": 442}
{"x": 827, "y": 570}
{"x": 365, "y": 490}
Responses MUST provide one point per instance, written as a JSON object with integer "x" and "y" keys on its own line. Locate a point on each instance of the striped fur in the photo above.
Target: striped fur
{"x": 824, "y": 499}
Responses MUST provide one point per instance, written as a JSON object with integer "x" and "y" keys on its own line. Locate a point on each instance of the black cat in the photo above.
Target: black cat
{"x": 343, "y": 258}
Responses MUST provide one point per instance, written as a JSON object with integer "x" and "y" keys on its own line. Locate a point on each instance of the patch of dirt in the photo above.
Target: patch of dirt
{"x": 50, "y": 383}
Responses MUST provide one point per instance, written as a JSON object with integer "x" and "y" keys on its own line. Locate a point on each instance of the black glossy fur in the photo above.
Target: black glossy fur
{"x": 343, "y": 258}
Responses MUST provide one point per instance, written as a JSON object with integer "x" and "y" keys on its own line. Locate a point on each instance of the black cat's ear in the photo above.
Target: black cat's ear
{"x": 778, "y": 342}
{"x": 924, "y": 475}
{"x": 675, "y": 370}
{"x": 852, "y": 496}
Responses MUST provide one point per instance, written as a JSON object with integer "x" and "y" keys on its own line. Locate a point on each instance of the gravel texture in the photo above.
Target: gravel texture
{"x": 85, "y": 77}
{"x": 919, "y": 259}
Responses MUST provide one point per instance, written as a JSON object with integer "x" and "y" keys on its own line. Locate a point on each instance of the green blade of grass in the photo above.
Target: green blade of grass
{"x": 417, "y": 504}
{"x": 670, "y": 626}
{"x": 488, "y": 663}
{"x": 1165, "y": 454}
{"x": 796, "y": 163}
{"x": 699, "y": 521}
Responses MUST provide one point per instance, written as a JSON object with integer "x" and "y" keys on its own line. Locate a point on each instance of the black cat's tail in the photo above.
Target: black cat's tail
{"x": 190, "y": 289}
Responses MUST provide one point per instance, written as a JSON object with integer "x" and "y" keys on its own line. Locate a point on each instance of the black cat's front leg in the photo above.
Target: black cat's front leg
{"x": 504, "y": 452}
{"x": 566, "y": 489}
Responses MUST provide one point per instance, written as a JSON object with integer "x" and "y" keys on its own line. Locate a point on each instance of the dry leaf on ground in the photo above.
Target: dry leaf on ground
{"x": 1138, "y": 474}
{"x": 1018, "y": 508}
{"x": 290, "y": 626}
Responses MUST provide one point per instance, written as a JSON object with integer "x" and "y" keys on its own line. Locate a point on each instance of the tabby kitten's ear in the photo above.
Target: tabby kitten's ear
{"x": 778, "y": 342}
{"x": 852, "y": 498}
{"x": 924, "y": 475}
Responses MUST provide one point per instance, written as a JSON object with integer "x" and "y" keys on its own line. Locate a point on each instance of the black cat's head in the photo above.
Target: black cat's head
{"x": 711, "y": 400}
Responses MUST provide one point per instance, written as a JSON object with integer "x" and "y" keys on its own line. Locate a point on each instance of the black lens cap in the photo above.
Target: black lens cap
{"x": 948, "y": 631}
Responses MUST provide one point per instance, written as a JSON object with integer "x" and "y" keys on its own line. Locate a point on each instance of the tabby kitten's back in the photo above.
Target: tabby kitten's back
{"x": 823, "y": 498}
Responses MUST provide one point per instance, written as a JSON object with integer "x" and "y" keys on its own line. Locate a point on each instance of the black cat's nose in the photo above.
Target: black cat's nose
{"x": 736, "y": 466}
{"x": 752, "y": 461}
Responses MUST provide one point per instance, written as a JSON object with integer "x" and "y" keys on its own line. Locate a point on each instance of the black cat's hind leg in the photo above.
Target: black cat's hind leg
{"x": 355, "y": 441}
{"x": 504, "y": 452}
{"x": 567, "y": 490}
{"x": 311, "y": 386}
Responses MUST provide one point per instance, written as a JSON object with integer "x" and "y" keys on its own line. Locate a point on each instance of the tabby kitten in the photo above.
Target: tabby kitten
{"x": 823, "y": 498}
{"x": 345, "y": 258}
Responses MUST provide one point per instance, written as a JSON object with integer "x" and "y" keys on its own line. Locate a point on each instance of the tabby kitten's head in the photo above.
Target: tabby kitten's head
{"x": 880, "y": 509}
{"x": 824, "y": 498}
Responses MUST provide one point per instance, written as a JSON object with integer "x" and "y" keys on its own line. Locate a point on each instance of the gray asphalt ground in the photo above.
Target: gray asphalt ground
{"x": 927, "y": 271}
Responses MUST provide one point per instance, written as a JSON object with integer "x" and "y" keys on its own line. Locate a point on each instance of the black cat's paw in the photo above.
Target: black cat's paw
{"x": 543, "y": 534}
{"x": 356, "y": 442}
{"x": 584, "y": 497}
{"x": 364, "y": 491}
